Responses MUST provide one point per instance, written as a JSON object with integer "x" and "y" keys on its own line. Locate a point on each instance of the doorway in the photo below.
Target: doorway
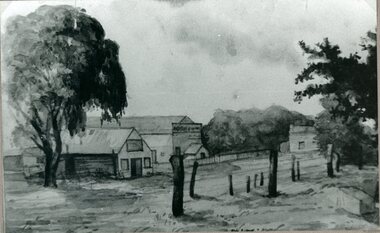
{"x": 136, "y": 167}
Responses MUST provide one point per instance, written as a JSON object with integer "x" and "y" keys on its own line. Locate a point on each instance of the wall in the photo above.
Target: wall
{"x": 162, "y": 143}
{"x": 13, "y": 163}
{"x": 202, "y": 150}
{"x": 123, "y": 154}
{"x": 185, "y": 134}
{"x": 89, "y": 164}
{"x": 307, "y": 137}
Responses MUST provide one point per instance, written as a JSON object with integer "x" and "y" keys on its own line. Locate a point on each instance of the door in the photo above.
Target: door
{"x": 154, "y": 155}
{"x": 70, "y": 166}
{"x": 136, "y": 167}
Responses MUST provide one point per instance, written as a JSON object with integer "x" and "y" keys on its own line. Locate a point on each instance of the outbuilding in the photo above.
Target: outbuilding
{"x": 196, "y": 151}
{"x": 302, "y": 138}
{"x": 121, "y": 153}
{"x": 165, "y": 135}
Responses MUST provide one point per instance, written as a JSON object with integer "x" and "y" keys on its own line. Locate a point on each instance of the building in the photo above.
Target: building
{"x": 108, "y": 152}
{"x": 28, "y": 161}
{"x": 302, "y": 139}
{"x": 165, "y": 135}
{"x": 196, "y": 151}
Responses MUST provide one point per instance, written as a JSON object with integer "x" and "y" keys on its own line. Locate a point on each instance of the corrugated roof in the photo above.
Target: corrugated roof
{"x": 96, "y": 141}
{"x": 193, "y": 149}
{"x": 143, "y": 124}
{"x": 12, "y": 152}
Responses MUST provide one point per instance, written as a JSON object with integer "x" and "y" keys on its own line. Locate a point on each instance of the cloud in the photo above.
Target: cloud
{"x": 226, "y": 44}
{"x": 177, "y": 3}
{"x": 263, "y": 32}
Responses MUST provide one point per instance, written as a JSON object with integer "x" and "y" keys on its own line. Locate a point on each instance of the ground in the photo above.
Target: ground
{"x": 144, "y": 204}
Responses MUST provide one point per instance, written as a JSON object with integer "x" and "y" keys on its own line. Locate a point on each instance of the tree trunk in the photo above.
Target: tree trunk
{"x": 337, "y": 164}
{"x": 272, "y": 185}
{"x": 192, "y": 181}
{"x": 178, "y": 182}
{"x": 330, "y": 169}
{"x": 48, "y": 165}
{"x": 57, "y": 152}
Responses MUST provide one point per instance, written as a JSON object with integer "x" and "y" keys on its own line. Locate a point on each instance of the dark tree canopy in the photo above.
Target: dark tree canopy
{"x": 250, "y": 129}
{"x": 59, "y": 65}
{"x": 348, "y": 137}
{"x": 349, "y": 80}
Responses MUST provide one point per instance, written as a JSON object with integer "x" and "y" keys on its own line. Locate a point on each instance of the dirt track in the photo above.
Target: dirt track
{"x": 145, "y": 204}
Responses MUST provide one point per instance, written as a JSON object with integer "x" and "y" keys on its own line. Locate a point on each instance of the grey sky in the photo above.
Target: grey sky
{"x": 193, "y": 57}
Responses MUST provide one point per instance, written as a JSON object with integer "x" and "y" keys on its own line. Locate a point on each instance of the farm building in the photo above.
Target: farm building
{"x": 165, "y": 135}
{"x": 29, "y": 161}
{"x": 110, "y": 152}
{"x": 302, "y": 139}
{"x": 196, "y": 151}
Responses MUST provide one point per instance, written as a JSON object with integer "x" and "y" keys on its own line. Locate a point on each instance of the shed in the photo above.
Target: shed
{"x": 196, "y": 151}
{"x": 107, "y": 152}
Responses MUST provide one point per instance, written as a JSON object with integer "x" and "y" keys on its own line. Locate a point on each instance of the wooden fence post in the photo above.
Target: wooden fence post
{"x": 248, "y": 184}
{"x": 293, "y": 168}
{"x": 298, "y": 170}
{"x": 178, "y": 182}
{"x": 230, "y": 185}
{"x": 330, "y": 170}
{"x": 192, "y": 181}
{"x": 337, "y": 164}
{"x": 254, "y": 180}
{"x": 272, "y": 183}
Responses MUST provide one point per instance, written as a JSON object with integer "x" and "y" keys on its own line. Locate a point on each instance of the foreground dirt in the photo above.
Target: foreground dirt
{"x": 93, "y": 205}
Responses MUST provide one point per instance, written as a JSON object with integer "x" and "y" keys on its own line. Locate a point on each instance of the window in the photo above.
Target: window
{"x": 301, "y": 145}
{"x": 124, "y": 164}
{"x": 162, "y": 154}
{"x": 154, "y": 156}
{"x": 203, "y": 155}
{"x": 147, "y": 163}
{"x": 134, "y": 145}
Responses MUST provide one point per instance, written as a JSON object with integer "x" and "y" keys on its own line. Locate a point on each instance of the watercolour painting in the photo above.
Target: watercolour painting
{"x": 189, "y": 115}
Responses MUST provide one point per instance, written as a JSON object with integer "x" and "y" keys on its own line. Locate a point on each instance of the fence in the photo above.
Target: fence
{"x": 257, "y": 154}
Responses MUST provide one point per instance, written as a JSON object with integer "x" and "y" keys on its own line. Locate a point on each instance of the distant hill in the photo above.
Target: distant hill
{"x": 248, "y": 129}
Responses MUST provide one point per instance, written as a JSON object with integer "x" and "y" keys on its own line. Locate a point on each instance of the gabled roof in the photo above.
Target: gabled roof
{"x": 143, "y": 124}
{"x": 96, "y": 141}
{"x": 193, "y": 149}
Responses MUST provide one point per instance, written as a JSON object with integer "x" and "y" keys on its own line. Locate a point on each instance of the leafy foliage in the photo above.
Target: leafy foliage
{"x": 250, "y": 129}
{"x": 59, "y": 66}
{"x": 355, "y": 143}
{"x": 352, "y": 81}
{"x": 348, "y": 86}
